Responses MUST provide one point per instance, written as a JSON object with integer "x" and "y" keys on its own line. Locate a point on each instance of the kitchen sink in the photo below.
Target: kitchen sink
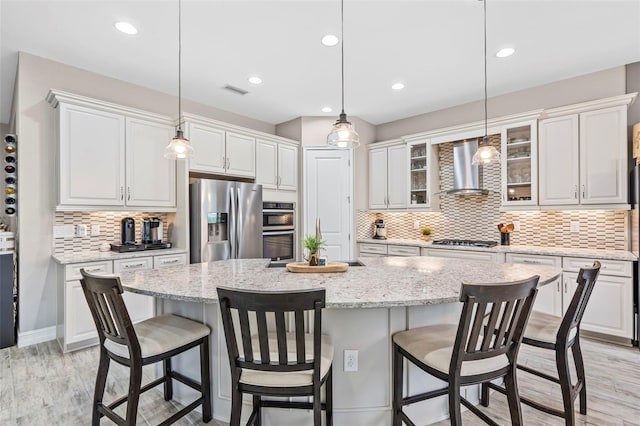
{"x": 276, "y": 264}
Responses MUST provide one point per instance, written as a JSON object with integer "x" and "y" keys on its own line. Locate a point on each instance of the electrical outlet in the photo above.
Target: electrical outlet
{"x": 516, "y": 225}
{"x": 81, "y": 230}
{"x": 63, "y": 231}
{"x": 575, "y": 226}
{"x": 351, "y": 360}
{"x": 416, "y": 224}
{"x": 95, "y": 230}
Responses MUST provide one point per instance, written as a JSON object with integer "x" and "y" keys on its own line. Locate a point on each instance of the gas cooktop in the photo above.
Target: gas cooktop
{"x": 468, "y": 243}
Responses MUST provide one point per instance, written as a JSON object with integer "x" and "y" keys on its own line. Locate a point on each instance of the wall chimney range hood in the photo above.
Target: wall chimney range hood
{"x": 467, "y": 178}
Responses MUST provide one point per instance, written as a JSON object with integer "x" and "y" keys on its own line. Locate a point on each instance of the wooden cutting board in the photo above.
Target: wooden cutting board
{"x": 305, "y": 268}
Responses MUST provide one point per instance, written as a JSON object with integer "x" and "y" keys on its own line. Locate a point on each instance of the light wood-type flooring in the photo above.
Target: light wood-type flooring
{"x": 41, "y": 386}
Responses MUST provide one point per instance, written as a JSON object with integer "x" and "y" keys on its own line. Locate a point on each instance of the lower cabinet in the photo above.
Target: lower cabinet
{"x": 75, "y": 326}
{"x": 462, "y": 254}
{"x": 610, "y": 308}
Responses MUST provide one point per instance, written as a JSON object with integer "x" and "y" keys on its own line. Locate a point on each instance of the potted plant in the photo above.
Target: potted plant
{"x": 313, "y": 244}
{"x": 426, "y": 233}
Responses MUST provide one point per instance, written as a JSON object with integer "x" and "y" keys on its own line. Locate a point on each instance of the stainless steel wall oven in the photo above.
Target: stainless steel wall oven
{"x": 278, "y": 231}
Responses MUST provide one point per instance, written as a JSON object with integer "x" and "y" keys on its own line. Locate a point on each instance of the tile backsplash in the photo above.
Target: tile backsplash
{"x": 109, "y": 223}
{"x": 476, "y": 217}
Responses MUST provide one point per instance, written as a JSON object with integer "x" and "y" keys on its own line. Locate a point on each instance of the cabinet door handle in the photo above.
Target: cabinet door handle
{"x": 575, "y": 192}
{"x": 565, "y": 286}
{"x": 228, "y": 163}
{"x": 121, "y": 193}
{"x": 531, "y": 261}
{"x": 584, "y": 191}
{"x": 128, "y": 193}
{"x": 224, "y": 162}
{"x": 166, "y": 262}
{"x": 558, "y": 286}
{"x": 133, "y": 265}
{"x": 98, "y": 269}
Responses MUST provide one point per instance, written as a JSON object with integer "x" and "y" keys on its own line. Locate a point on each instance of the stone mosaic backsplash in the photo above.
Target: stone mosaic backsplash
{"x": 109, "y": 229}
{"x": 475, "y": 217}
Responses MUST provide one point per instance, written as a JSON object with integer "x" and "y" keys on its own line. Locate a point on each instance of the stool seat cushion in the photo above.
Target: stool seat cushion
{"x": 544, "y": 328}
{"x": 433, "y": 346}
{"x": 161, "y": 334}
{"x": 289, "y": 378}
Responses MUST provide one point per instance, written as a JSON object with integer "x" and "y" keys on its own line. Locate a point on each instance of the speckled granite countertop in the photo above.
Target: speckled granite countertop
{"x": 92, "y": 256}
{"x": 550, "y": 251}
{"x": 382, "y": 282}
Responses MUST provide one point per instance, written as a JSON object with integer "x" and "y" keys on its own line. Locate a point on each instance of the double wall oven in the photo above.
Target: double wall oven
{"x": 278, "y": 231}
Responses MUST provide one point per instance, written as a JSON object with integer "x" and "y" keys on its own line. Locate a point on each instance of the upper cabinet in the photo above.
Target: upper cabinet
{"x": 422, "y": 173}
{"x": 276, "y": 165}
{"x": 111, "y": 157}
{"x": 519, "y": 147}
{"x": 219, "y": 151}
{"x": 388, "y": 177}
{"x": 583, "y": 157}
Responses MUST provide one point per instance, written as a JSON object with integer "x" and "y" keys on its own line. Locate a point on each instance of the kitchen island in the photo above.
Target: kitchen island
{"x": 365, "y": 306}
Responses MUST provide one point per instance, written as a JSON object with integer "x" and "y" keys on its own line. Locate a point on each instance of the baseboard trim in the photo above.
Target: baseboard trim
{"x": 40, "y": 335}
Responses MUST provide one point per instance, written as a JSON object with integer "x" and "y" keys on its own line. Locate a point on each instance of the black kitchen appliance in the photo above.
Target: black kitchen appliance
{"x": 151, "y": 231}
{"x": 465, "y": 243}
{"x": 125, "y": 248}
{"x": 379, "y": 229}
{"x": 278, "y": 231}
{"x": 127, "y": 231}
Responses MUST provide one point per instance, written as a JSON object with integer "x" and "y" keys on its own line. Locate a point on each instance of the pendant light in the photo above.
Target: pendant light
{"x": 486, "y": 153}
{"x": 343, "y": 134}
{"x": 179, "y": 148}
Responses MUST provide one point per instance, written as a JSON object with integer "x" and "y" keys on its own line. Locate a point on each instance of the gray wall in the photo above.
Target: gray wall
{"x": 584, "y": 88}
{"x": 4, "y": 128}
{"x": 291, "y": 129}
{"x": 37, "y": 188}
{"x": 633, "y": 85}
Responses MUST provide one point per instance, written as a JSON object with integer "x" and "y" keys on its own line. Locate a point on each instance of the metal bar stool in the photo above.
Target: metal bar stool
{"x": 135, "y": 345}
{"x": 478, "y": 349}
{"x": 280, "y": 362}
{"x": 559, "y": 335}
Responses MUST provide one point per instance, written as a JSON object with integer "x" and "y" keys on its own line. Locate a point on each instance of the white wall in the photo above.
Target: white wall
{"x": 36, "y": 183}
{"x": 291, "y": 129}
{"x": 584, "y": 88}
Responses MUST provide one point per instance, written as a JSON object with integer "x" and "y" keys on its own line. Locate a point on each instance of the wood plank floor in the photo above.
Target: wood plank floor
{"x": 41, "y": 386}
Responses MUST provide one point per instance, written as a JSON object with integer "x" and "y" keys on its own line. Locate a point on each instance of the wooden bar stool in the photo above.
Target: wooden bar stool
{"x": 280, "y": 362}
{"x": 478, "y": 349}
{"x": 560, "y": 334}
{"x": 135, "y": 345}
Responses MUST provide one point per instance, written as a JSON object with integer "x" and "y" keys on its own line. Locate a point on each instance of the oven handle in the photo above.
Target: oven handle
{"x": 277, "y": 211}
{"x": 278, "y": 232}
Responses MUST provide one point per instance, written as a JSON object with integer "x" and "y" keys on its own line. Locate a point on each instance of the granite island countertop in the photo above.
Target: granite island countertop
{"x": 382, "y": 282}
{"x": 524, "y": 249}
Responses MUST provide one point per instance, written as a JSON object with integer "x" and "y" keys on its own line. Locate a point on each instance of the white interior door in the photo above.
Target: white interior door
{"x": 328, "y": 197}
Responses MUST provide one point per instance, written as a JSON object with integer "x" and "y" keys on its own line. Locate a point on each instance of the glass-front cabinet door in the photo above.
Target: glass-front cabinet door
{"x": 419, "y": 167}
{"x": 519, "y": 145}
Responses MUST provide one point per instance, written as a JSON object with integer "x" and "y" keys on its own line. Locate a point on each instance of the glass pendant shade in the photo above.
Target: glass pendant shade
{"x": 343, "y": 135}
{"x": 485, "y": 154}
{"x": 179, "y": 148}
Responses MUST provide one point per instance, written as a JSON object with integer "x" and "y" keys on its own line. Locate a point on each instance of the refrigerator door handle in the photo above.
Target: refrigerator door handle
{"x": 238, "y": 224}
{"x": 233, "y": 217}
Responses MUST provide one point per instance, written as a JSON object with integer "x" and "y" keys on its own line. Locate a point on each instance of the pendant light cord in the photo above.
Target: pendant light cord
{"x": 179, "y": 64}
{"x": 342, "y": 47}
{"x": 486, "y": 137}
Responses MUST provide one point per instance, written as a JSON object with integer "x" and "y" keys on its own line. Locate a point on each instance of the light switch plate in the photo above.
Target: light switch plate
{"x": 95, "y": 230}
{"x": 81, "y": 230}
{"x": 64, "y": 231}
{"x": 575, "y": 226}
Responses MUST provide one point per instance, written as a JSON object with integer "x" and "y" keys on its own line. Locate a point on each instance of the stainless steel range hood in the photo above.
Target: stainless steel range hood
{"x": 467, "y": 178}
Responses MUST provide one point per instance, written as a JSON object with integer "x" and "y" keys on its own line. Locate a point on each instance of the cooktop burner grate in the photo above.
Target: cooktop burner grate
{"x": 468, "y": 243}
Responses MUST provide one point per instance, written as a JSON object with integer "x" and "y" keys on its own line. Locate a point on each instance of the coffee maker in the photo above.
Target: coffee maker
{"x": 127, "y": 231}
{"x": 379, "y": 230}
{"x": 152, "y": 231}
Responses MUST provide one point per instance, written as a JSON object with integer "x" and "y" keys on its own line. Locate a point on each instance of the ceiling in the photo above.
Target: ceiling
{"x": 433, "y": 47}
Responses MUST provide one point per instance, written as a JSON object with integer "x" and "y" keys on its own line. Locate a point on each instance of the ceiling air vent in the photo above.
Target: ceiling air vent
{"x": 236, "y": 90}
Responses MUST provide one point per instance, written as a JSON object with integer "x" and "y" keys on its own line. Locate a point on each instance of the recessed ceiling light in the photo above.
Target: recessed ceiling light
{"x": 255, "y": 80}
{"x": 126, "y": 28}
{"x": 327, "y": 109}
{"x": 507, "y": 51}
{"x": 397, "y": 86}
{"x": 330, "y": 40}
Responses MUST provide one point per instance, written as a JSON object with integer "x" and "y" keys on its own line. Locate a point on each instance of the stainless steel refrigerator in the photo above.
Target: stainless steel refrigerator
{"x": 634, "y": 190}
{"x": 225, "y": 220}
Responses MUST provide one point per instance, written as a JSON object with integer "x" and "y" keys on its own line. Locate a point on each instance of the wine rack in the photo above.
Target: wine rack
{"x": 10, "y": 169}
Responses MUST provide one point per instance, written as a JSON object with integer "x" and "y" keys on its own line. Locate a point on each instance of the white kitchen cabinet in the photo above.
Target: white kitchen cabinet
{"x": 387, "y": 177}
{"x": 150, "y": 178}
{"x": 220, "y": 151}
{"x": 520, "y": 164}
{"x": 140, "y": 306}
{"x": 610, "y": 308}
{"x": 397, "y": 250}
{"x": 367, "y": 249}
{"x": 549, "y": 298}
{"x": 276, "y": 165}
{"x": 169, "y": 260}
{"x": 583, "y": 158}
{"x": 75, "y": 327}
{"x": 91, "y": 151}
{"x": 111, "y": 157}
